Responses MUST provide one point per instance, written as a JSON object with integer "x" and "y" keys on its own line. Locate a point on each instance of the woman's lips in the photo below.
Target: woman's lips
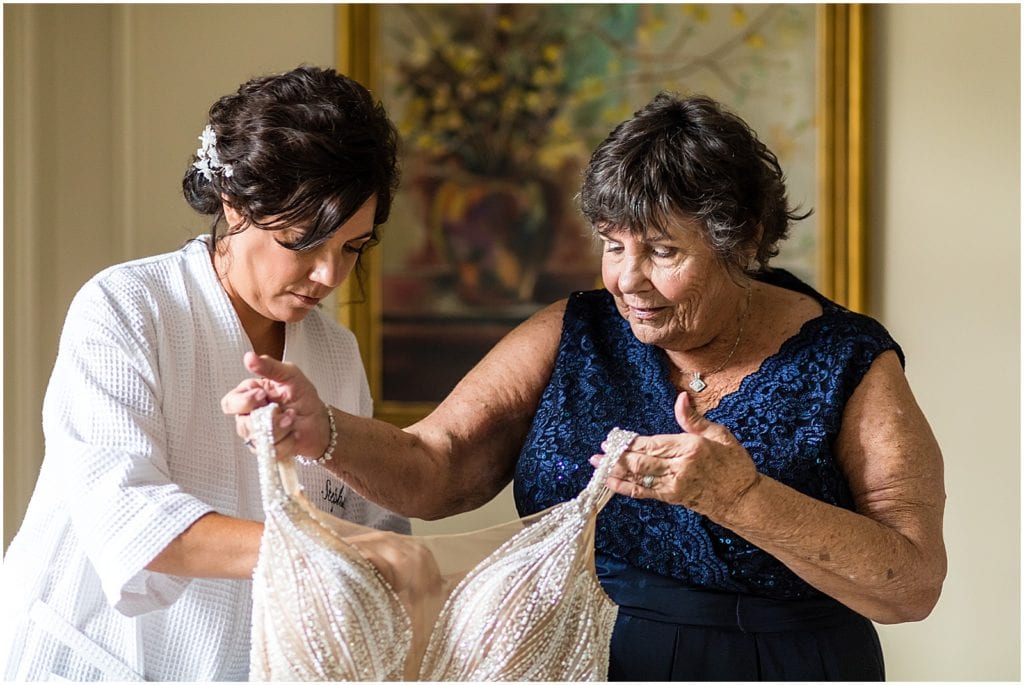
{"x": 644, "y": 313}
{"x": 306, "y": 300}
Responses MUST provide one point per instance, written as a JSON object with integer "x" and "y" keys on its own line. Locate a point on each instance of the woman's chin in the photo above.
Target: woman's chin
{"x": 292, "y": 314}
{"x": 645, "y": 332}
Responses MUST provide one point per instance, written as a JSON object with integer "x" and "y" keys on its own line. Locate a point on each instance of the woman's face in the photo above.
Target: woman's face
{"x": 673, "y": 290}
{"x": 266, "y": 280}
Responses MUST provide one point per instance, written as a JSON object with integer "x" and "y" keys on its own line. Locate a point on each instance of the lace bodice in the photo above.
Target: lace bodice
{"x": 787, "y": 414}
{"x": 518, "y": 601}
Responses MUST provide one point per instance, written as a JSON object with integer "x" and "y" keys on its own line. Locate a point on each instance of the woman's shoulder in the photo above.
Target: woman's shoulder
{"x": 137, "y": 285}
{"x": 598, "y": 298}
{"x": 802, "y": 312}
{"x": 798, "y": 294}
{"x": 782, "y": 278}
{"x": 126, "y": 304}
{"x": 805, "y": 320}
{"x": 151, "y": 269}
{"x": 590, "y": 307}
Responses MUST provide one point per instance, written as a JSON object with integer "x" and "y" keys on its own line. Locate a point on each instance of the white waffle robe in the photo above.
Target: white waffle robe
{"x": 136, "y": 450}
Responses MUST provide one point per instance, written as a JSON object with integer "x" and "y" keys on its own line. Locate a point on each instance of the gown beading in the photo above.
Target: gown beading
{"x": 333, "y": 600}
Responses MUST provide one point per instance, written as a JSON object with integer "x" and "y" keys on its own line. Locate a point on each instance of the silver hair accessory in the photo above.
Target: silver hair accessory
{"x": 209, "y": 161}
{"x": 647, "y": 481}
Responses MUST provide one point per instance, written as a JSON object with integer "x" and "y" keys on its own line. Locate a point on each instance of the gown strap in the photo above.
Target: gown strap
{"x": 596, "y": 494}
{"x": 272, "y": 486}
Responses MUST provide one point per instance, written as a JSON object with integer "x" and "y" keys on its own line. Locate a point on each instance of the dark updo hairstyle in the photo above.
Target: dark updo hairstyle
{"x": 308, "y": 147}
{"x": 690, "y": 157}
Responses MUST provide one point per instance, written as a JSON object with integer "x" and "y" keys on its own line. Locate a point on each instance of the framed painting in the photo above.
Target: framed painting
{"x": 499, "y": 107}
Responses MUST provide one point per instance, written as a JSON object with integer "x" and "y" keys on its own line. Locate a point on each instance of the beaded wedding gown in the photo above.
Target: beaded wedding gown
{"x": 333, "y": 600}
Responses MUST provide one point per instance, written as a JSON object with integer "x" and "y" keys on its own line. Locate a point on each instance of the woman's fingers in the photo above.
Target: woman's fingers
{"x": 652, "y": 455}
{"x": 282, "y": 427}
{"x": 247, "y": 396}
{"x": 694, "y": 423}
{"x": 634, "y": 466}
{"x": 705, "y": 469}
{"x": 243, "y": 428}
{"x": 267, "y": 367}
{"x": 296, "y": 427}
{"x": 659, "y": 467}
{"x": 635, "y": 484}
{"x": 638, "y": 474}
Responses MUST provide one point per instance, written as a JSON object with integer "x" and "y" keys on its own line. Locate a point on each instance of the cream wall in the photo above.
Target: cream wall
{"x": 103, "y": 103}
{"x": 946, "y": 229}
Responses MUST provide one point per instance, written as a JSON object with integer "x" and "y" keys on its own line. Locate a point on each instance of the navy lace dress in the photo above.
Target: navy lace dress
{"x": 698, "y": 602}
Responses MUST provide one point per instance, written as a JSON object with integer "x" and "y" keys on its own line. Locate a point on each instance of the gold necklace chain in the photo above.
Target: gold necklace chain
{"x": 696, "y": 383}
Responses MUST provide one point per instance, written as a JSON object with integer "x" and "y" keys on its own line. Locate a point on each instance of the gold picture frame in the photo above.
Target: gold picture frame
{"x": 839, "y": 205}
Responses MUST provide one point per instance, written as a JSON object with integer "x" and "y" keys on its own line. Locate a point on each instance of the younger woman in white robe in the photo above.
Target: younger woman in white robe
{"x": 135, "y": 556}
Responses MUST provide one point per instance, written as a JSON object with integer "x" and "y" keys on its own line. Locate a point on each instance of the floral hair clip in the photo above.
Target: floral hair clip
{"x": 209, "y": 161}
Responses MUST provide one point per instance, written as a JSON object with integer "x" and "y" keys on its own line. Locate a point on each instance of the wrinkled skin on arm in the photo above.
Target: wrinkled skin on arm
{"x": 454, "y": 460}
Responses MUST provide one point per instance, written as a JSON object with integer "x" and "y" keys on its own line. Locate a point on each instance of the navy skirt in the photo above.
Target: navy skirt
{"x": 669, "y": 632}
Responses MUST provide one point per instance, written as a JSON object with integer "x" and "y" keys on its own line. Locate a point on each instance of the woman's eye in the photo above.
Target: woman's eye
{"x": 663, "y": 252}
{"x": 359, "y": 248}
{"x": 612, "y": 247}
{"x": 290, "y": 237}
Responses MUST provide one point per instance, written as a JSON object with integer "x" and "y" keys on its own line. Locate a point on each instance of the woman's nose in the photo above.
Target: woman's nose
{"x": 632, "y": 276}
{"x": 328, "y": 271}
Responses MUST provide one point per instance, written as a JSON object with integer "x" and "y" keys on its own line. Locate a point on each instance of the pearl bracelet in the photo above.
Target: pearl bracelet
{"x": 331, "y": 443}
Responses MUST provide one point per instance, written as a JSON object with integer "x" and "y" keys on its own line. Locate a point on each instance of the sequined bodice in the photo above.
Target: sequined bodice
{"x": 787, "y": 414}
{"x": 515, "y": 602}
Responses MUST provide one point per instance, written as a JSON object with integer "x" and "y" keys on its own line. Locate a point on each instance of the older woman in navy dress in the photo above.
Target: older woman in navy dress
{"x": 787, "y": 490}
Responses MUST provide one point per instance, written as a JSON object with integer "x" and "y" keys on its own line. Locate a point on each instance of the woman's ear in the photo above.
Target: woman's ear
{"x": 232, "y": 216}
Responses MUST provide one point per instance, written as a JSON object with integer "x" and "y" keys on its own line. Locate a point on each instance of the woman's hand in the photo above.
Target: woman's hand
{"x": 301, "y": 427}
{"x": 704, "y": 469}
{"x": 885, "y": 558}
{"x": 406, "y": 564}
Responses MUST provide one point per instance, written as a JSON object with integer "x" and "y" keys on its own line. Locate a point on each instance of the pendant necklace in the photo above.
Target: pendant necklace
{"x": 696, "y": 383}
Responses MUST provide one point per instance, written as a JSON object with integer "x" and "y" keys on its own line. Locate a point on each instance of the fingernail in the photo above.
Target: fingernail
{"x": 288, "y": 419}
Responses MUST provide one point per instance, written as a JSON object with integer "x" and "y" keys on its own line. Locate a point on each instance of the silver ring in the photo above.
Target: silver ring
{"x": 249, "y": 444}
{"x": 647, "y": 481}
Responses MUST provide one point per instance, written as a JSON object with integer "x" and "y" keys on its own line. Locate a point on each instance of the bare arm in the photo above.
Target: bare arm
{"x": 886, "y": 560}
{"x": 214, "y": 546}
{"x": 456, "y": 459}
{"x": 476, "y": 433}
